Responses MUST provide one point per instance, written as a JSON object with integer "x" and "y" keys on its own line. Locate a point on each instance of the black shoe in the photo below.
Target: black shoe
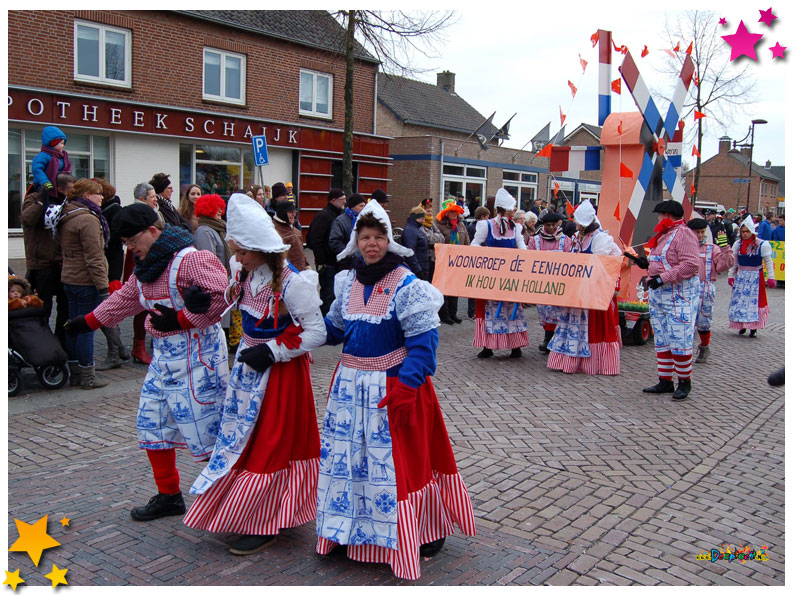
{"x": 515, "y": 353}
{"x": 663, "y": 386}
{"x": 682, "y": 392}
{"x": 446, "y": 320}
{"x": 251, "y": 544}
{"x": 777, "y": 378}
{"x": 159, "y": 506}
{"x": 742, "y": 331}
{"x": 456, "y": 320}
{"x": 753, "y": 334}
{"x": 485, "y": 353}
{"x": 547, "y": 337}
{"x": 428, "y": 550}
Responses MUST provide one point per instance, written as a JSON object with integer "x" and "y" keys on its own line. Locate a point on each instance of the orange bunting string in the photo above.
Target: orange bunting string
{"x": 568, "y": 207}
{"x": 594, "y": 38}
{"x": 620, "y": 127}
{"x": 677, "y": 47}
{"x": 616, "y": 86}
{"x": 692, "y": 190}
{"x": 617, "y": 211}
{"x": 573, "y": 89}
{"x": 699, "y": 115}
{"x": 625, "y": 172}
{"x": 696, "y": 80}
{"x": 695, "y": 152}
{"x": 583, "y": 62}
{"x": 645, "y": 52}
{"x": 562, "y": 117}
{"x": 556, "y": 185}
{"x": 689, "y": 49}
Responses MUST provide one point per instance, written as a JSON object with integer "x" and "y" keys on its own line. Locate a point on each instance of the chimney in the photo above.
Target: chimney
{"x": 446, "y": 80}
{"x": 745, "y": 151}
{"x": 725, "y": 145}
{"x": 768, "y": 165}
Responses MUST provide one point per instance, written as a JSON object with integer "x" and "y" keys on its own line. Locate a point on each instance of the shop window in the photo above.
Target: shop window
{"x": 522, "y": 186}
{"x": 315, "y": 93}
{"x": 224, "y": 76}
{"x": 217, "y": 169}
{"x": 102, "y": 54}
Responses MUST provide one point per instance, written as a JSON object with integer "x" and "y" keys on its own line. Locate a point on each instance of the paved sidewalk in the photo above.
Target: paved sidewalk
{"x": 576, "y": 480}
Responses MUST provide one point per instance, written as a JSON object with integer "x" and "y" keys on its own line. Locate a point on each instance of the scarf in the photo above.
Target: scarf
{"x": 662, "y": 228}
{"x": 504, "y": 223}
{"x": 453, "y": 235}
{"x": 746, "y": 244}
{"x": 54, "y": 166}
{"x": 555, "y": 237}
{"x": 428, "y": 222}
{"x": 353, "y": 215}
{"x": 171, "y": 241}
{"x": 369, "y": 274}
{"x": 220, "y": 228}
{"x": 98, "y": 212}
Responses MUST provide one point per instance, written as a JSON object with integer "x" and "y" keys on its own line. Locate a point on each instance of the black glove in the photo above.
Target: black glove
{"x": 259, "y": 357}
{"x": 640, "y": 261}
{"x": 655, "y": 282}
{"x": 169, "y": 321}
{"x": 197, "y": 300}
{"x": 75, "y": 326}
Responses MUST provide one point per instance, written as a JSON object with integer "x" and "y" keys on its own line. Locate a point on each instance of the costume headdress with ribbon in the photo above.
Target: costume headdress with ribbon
{"x": 250, "y": 227}
{"x": 375, "y": 208}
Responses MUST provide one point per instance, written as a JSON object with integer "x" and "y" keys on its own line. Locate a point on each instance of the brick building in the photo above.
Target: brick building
{"x": 720, "y": 181}
{"x": 432, "y": 157}
{"x": 183, "y": 92}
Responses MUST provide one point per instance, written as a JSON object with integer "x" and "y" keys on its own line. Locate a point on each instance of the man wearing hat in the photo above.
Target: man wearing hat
{"x": 284, "y": 222}
{"x": 381, "y": 197}
{"x": 342, "y": 228}
{"x": 550, "y": 237}
{"x": 318, "y": 241}
{"x": 712, "y": 261}
{"x": 673, "y": 297}
{"x": 183, "y": 290}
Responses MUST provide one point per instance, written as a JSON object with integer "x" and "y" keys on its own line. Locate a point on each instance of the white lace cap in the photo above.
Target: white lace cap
{"x": 504, "y": 200}
{"x": 749, "y": 224}
{"x": 374, "y": 207}
{"x": 250, "y": 227}
{"x": 584, "y": 214}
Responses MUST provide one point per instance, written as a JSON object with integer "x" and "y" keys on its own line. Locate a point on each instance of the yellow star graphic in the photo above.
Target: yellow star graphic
{"x": 57, "y": 576}
{"x": 13, "y": 579}
{"x": 33, "y": 539}
{"x": 65, "y": 522}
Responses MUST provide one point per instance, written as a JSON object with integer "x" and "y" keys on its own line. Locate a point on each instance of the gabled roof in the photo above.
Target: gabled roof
{"x": 780, "y": 172}
{"x": 594, "y": 131}
{"x": 313, "y": 28}
{"x": 763, "y": 172}
{"x": 425, "y": 104}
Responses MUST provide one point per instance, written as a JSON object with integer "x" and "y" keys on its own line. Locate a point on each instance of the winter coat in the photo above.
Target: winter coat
{"x": 414, "y": 238}
{"x": 42, "y": 160}
{"x": 292, "y": 238}
{"x": 341, "y": 230}
{"x": 115, "y": 250}
{"x": 445, "y": 227}
{"x": 83, "y": 247}
{"x": 42, "y": 250}
{"x": 171, "y": 215}
{"x": 319, "y": 236}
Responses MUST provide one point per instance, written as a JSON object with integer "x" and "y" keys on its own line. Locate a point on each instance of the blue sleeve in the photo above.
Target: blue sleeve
{"x": 39, "y": 167}
{"x": 334, "y": 335}
{"x": 421, "y": 359}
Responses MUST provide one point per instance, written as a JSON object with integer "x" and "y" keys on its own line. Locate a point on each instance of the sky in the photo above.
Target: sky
{"x": 519, "y": 60}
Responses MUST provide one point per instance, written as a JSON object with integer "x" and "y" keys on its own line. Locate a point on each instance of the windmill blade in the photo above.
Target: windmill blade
{"x": 679, "y": 95}
{"x": 642, "y": 96}
{"x": 637, "y": 197}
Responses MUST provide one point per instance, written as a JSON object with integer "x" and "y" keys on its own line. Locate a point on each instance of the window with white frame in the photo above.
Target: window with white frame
{"x": 316, "y": 91}
{"x": 102, "y": 54}
{"x": 224, "y": 76}
{"x": 523, "y": 186}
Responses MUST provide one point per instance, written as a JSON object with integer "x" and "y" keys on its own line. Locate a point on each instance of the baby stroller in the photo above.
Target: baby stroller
{"x": 32, "y": 344}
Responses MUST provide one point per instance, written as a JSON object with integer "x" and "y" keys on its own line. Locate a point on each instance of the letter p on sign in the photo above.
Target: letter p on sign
{"x": 260, "y": 150}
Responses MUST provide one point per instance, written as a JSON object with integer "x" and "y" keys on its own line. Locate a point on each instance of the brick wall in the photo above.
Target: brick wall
{"x": 167, "y": 56}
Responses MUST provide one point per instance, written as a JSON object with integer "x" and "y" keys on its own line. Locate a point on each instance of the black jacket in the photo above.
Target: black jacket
{"x": 320, "y": 232}
{"x": 414, "y": 238}
{"x": 114, "y": 251}
{"x": 171, "y": 215}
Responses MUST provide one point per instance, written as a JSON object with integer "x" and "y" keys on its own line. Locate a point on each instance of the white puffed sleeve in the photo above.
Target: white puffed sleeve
{"x": 416, "y": 304}
{"x": 766, "y": 254}
{"x": 604, "y": 244}
{"x": 520, "y": 243}
{"x": 301, "y": 296}
{"x": 480, "y": 233}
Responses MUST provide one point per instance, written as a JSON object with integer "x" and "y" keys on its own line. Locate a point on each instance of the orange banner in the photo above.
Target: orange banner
{"x": 527, "y": 276}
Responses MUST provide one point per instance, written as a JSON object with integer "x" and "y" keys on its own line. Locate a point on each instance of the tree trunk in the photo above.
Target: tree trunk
{"x": 347, "y": 158}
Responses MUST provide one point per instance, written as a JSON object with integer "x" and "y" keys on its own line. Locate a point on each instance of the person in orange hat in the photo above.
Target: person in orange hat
{"x": 454, "y": 232}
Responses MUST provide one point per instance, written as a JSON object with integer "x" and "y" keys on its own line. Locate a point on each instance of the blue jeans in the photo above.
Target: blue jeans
{"x": 82, "y": 300}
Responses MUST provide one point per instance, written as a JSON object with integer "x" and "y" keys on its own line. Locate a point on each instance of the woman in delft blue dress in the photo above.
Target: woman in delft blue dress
{"x": 749, "y": 307}
{"x": 262, "y": 475}
{"x": 389, "y": 487}
{"x": 500, "y": 325}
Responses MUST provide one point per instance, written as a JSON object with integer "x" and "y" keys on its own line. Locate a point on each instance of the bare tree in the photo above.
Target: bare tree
{"x": 720, "y": 87}
{"x": 392, "y": 36}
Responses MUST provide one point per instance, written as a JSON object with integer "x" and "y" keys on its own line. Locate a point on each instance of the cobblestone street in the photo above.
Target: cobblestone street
{"x": 575, "y": 480}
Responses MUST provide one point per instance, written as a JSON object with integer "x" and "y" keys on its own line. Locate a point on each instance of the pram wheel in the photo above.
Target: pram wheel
{"x": 53, "y": 376}
{"x": 14, "y": 381}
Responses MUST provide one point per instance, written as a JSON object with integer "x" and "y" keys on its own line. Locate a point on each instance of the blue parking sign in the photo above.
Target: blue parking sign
{"x": 260, "y": 150}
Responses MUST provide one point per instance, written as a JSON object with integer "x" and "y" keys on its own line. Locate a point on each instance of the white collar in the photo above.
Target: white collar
{"x": 260, "y": 277}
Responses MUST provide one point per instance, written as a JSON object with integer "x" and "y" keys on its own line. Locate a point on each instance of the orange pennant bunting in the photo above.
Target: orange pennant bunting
{"x": 616, "y": 86}
{"x": 620, "y": 127}
{"x": 677, "y": 47}
{"x": 699, "y": 115}
{"x": 625, "y": 172}
{"x": 573, "y": 89}
{"x": 689, "y": 49}
{"x": 617, "y": 211}
{"x": 556, "y": 185}
{"x": 594, "y": 38}
{"x": 545, "y": 151}
{"x": 568, "y": 207}
{"x": 562, "y": 117}
{"x": 692, "y": 190}
{"x": 645, "y": 52}
{"x": 696, "y": 80}
{"x": 583, "y": 62}
{"x": 695, "y": 151}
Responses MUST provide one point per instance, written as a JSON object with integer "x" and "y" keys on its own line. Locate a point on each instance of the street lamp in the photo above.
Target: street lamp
{"x": 741, "y": 143}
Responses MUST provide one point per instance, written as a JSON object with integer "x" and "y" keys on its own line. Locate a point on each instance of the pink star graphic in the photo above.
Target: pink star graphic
{"x": 777, "y": 51}
{"x": 723, "y": 22}
{"x": 767, "y": 17}
{"x": 743, "y": 42}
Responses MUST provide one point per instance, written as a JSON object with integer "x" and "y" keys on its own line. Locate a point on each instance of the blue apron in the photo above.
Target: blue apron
{"x": 708, "y": 294}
